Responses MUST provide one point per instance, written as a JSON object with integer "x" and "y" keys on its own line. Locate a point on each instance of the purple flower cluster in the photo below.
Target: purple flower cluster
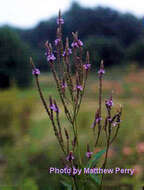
{"x": 87, "y": 66}
{"x": 79, "y": 87}
{"x": 60, "y": 21}
{"x": 88, "y": 154}
{"x": 77, "y": 44}
{"x": 109, "y": 102}
{"x": 51, "y": 57}
{"x": 101, "y": 72}
{"x": 57, "y": 41}
{"x": 36, "y": 71}
{"x": 69, "y": 51}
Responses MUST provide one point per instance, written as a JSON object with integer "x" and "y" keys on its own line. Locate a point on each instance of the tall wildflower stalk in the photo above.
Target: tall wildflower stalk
{"x": 71, "y": 86}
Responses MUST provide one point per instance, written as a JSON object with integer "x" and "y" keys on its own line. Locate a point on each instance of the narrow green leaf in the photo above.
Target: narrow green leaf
{"x": 95, "y": 158}
{"x": 95, "y": 178}
{"x": 69, "y": 187}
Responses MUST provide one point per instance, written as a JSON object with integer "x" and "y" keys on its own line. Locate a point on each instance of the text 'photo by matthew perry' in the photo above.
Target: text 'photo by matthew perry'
{"x": 76, "y": 171}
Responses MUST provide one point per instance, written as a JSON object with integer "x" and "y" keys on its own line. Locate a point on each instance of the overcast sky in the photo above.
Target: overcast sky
{"x": 27, "y": 13}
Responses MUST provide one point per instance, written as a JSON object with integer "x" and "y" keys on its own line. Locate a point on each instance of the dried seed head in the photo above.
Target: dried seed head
{"x": 46, "y": 44}
{"x": 67, "y": 43}
{"x": 102, "y": 64}
{"x": 31, "y": 62}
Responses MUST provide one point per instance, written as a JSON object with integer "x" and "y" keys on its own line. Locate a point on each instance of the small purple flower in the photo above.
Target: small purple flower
{"x": 109, "y": 102}
{"x": 51, "y": 57}
{"x": 54, "y": 108}
{"x": 79, "y": 87}
{"x": 97, "y": 120}
{"x": 115, "y": 124}
{"x": 101, "y": 72}
{"x": 88, "y": 154}
{"x": 69, "y": 52}
{"x": 60, "y": 21}
{"x": 87, "y": 66}
{"x": 57, "y": 41}
{"x": 64, "y": 85}
{"x": 70, "y": 157}
{"x": 77, "y": 44}
{"x": 36, "y": 71}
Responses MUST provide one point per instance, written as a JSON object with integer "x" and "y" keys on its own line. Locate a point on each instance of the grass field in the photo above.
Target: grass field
{"x": 31, "y": 147}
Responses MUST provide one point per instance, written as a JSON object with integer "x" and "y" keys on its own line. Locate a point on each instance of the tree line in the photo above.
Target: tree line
{"x": 110, "y": 35}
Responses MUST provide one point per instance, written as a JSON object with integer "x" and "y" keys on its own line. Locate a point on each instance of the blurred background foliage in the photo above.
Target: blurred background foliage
{"x": 27, "y": 143}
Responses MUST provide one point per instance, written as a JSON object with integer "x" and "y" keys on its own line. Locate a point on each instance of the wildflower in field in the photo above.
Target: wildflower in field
{"x": 109, "y": 102}
{"x": 60, "y": 21}
{"x": 54, "y": 108}
{"x": 86, "y": 66}
{"x": 64, "y": 85}
{"x": 70, "y": 156}
{"x": 51, "y": 57}
{"x": 127, "y": 151}
{"x": 140, "y": 147}
{"x": 69, "y": 51}
{"x": 97, "y": 119}
{"x": 57, "y": 41}
{"x": 36, "y": 71}
{"x": 77, "y": 44}
{"x": 88, "y": 153}
{"x": 101, "y": 72}
{"x": 79, "y": 87}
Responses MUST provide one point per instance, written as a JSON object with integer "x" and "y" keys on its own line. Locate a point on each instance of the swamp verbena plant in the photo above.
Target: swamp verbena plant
{"x": 71, "y": 87}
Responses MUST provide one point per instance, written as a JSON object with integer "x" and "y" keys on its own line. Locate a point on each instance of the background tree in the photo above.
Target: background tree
{"x": 14, "y": 57}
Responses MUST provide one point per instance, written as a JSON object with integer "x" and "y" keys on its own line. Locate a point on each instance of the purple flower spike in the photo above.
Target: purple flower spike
{"x": 88, "y": 154}
{"x": 69, "y": 52}
{"x": 70, "y": 157}
{"x": 109, "y": 102}
{"x": 36, "y": 71}
{"x": 54, "y": 108}
{"x": 87, "y": 66}
{"x": 77, "y": 44}
{"x": 60, "y": 21}
{"x": 79, "y": 87}
{"x": 51, "y": 57}
{"x": 57, "y": 41}
{"x": 101, "y": 72}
